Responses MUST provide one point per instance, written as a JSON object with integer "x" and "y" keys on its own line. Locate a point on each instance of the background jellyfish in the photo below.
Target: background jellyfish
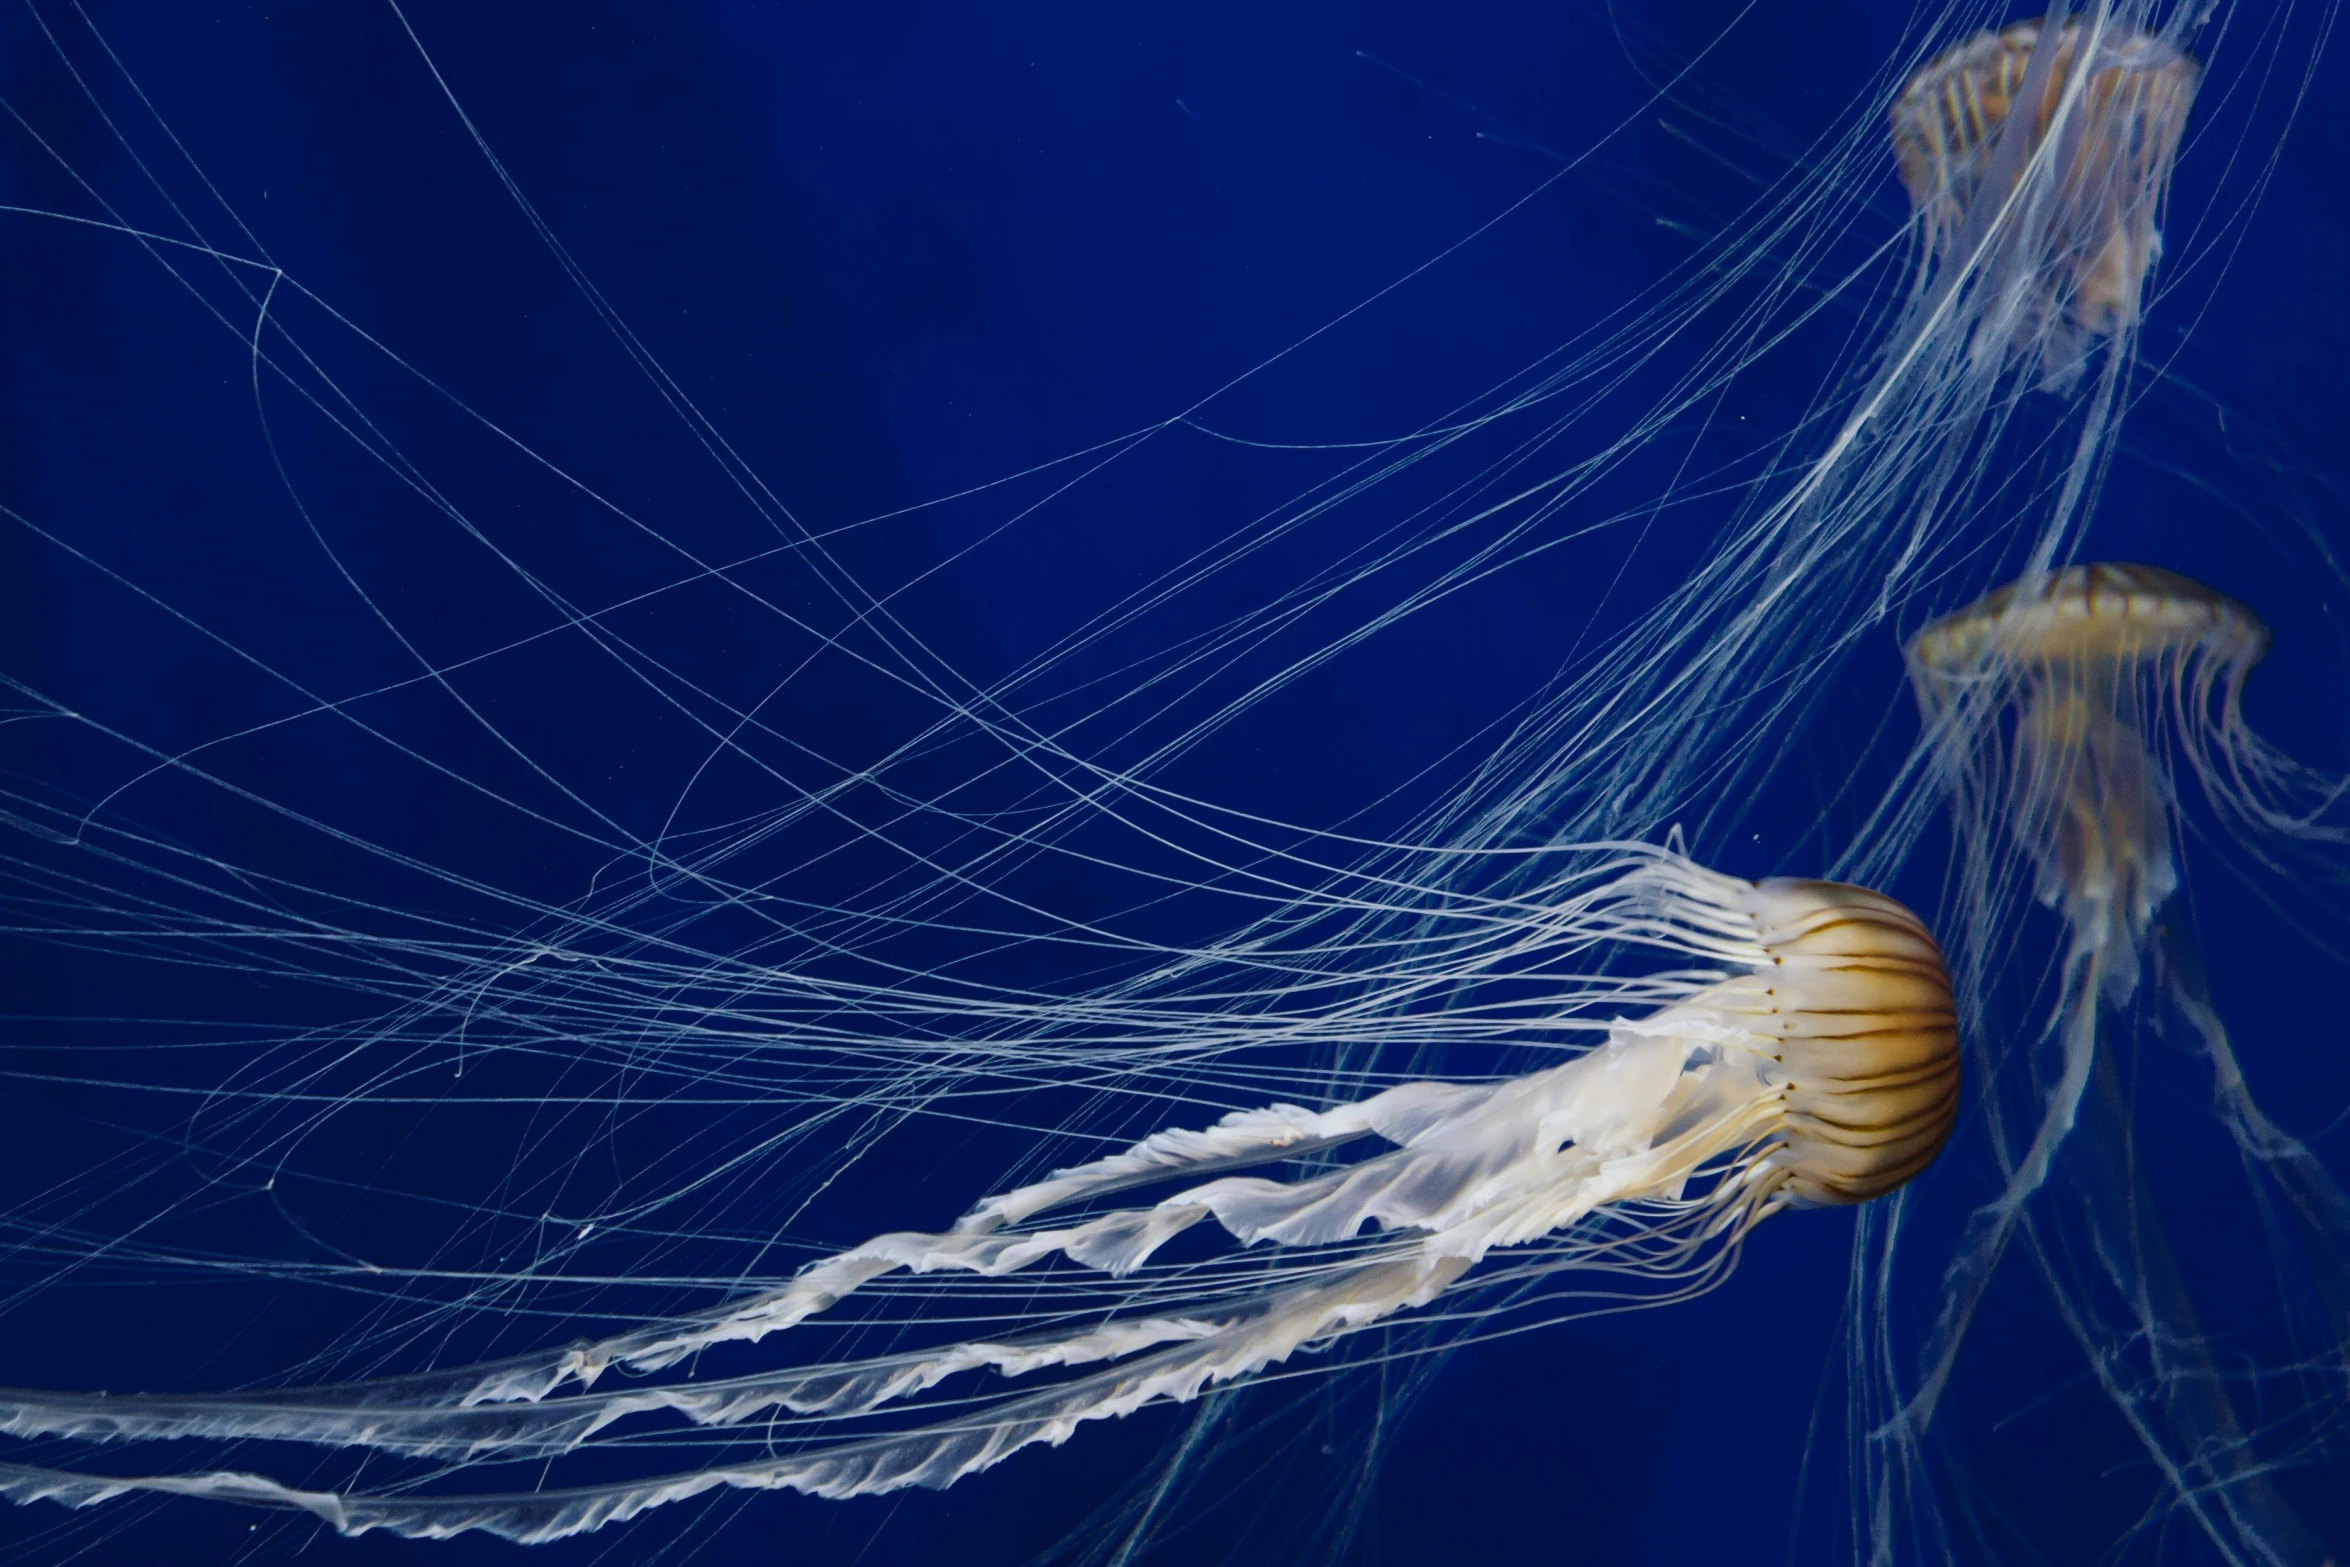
{"x": 859, "y": 793}
{"x": 2052, "y": 707}
{"x": 2108, "y": 105}
{"x": 1812, "y": 1060}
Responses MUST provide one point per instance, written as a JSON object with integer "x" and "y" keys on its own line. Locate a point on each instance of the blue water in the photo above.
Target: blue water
{"x": 892, "y": 252}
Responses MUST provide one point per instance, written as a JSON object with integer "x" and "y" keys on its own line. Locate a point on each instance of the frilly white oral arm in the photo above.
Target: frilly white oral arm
{"x": 1476, "y": 1166}
{"x": 933, "y": 1457}
{"x": 1449, "y": 1136}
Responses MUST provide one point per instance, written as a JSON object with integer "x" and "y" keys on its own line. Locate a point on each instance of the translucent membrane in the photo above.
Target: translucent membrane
{"x": 1817, "y": 1063}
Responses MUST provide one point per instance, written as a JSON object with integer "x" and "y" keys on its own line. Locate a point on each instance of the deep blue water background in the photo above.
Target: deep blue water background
{"x": 894, "y": 250}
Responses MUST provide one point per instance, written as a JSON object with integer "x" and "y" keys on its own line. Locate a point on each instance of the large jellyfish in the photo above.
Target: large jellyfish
{"x": 1812, "y": 1059}
{"x": 2054, "y": 707}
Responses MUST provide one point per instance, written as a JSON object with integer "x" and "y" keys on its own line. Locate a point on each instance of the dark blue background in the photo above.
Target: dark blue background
{"x": 893, "y": 251}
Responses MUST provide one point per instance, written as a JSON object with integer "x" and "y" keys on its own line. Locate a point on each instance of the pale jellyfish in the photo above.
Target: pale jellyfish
{"x": 1809, "y": 1057}
{"x": 2059, "y": 207}
{"x": 2052, "y": 708}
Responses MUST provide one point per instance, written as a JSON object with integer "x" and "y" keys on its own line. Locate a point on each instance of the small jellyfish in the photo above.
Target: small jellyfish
{"x": 1811, "y": 1058}
{"x": 2093, "y": 660}
{"x": 2050, "y": 706}
{"x": 2058, "y": 211}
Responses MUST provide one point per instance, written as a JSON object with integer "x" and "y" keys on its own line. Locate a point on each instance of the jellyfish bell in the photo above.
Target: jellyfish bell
{"x": 2109, "y": 611}
{"x": 1870, "y": 1060}
{"x": 1815, "y": 1062}
{"x": 2066, "y": 251}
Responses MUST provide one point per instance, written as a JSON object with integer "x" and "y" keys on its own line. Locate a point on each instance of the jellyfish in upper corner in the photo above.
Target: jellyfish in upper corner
{"x": 1803, "y": 1052}
{"x": 2064, "y": 713}
{"x": 2037, "y": 159}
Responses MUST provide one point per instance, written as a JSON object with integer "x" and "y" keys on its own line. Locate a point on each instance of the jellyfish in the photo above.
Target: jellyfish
{"x": 2052, "y": 707}
{"x": 2060, "y": 207}
{"x": 2094, "y": 660}
{"x": 1812, "y": 1061}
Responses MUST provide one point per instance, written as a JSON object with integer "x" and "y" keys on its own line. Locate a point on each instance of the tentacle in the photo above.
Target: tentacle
{"x": 1993, "y": 1225}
